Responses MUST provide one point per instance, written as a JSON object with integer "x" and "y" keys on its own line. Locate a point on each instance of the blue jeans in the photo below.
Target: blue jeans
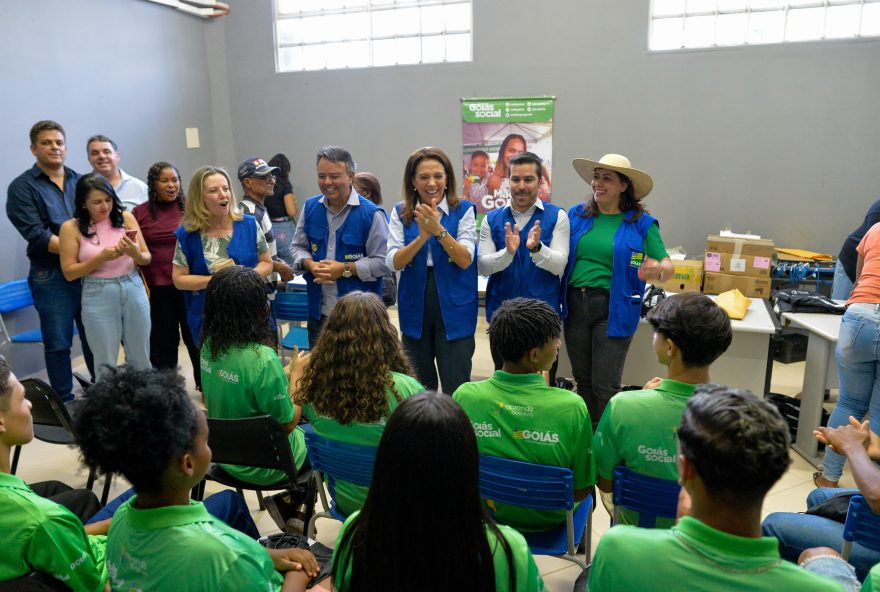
{"x": 115, "y": 309}
{"x": 797, "y": 532}
{"x": 842, "y": 286}
{"x": 58, "y": 304}
{"x": 283, "y": 232}
{"x": 858, "y": 359}
{"x": 226, "y": 505}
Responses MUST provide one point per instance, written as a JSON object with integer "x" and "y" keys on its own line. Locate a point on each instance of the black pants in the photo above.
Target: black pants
{"x": 314, "y": 327}
{"x": 453, "y": 358}
{"x": 82, "y": 502}
{"x": 168, "y": 317}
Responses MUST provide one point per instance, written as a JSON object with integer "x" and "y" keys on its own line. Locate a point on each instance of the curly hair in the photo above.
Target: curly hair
{"x": 153, "y": 196}
{"x": 236, "y": 312}
{"x": 351, "y": 364}
{"x": 134, "y": 423}
{"x": 411, "y": 196}
{"x": 5, "y": 387}
{"x": 283, "y": 163}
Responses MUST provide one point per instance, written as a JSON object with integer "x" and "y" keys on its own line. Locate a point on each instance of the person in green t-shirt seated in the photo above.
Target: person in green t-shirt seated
{"x": 355, "y": 378}
{"x": 242, "y": 376}
{"x": 637, "y": 428}
{"x": 41, "y": 534}
{"x": 516, "y": 415}
{"x": 732, "y": 448}
{"x": 141, "y": 424}
{"x": 422, "y": 526}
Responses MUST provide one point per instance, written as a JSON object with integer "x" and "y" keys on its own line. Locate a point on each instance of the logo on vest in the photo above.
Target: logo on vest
{"x": 352, "y": 256}
{"x": 486, "y": 430}
{"x": 660, "y": 455}
{"x": 537, "y": 436}
{"x": 635, "y": 259}
{"x": 314, "y": 247}
{"x": 518, "y": 410}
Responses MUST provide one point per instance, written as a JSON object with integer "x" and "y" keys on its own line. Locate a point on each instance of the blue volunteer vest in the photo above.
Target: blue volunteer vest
{"x": 242, "y": 249}
{"x": 351, "y": 241}
{"x": 522, "y": 277}
{"x": 627, "y": 290}
{"x": 456, "y": 287}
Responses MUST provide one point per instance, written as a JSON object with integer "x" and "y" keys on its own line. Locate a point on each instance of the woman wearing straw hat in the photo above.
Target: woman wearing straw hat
{"x": 615, "y": 246}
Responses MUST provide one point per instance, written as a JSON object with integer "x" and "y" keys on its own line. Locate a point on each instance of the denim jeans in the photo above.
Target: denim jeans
{"x": 283, "y": 232}
{"x": 842, "y": 286}
{"x": 114, "y": 310}
{"x": 858, "y": 361}
{"x": 58, "y": 304}
{"x": 797, "y": 532}
{"x": 227, "y": 505}
{"x": 596, "y": 359}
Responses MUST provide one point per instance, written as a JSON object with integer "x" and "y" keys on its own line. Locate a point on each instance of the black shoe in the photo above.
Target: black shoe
{"x": 287, "y": 512}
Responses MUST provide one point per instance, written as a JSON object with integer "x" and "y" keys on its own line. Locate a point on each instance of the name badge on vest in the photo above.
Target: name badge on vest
{"x": 635, "y": 259}
{"x": 352, "y": 256}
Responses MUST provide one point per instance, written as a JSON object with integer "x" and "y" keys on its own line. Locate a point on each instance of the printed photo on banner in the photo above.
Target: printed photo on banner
{"x": 494, "y": 130}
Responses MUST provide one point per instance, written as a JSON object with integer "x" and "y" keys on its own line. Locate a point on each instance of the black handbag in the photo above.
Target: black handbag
{"x": 834, "y": 508}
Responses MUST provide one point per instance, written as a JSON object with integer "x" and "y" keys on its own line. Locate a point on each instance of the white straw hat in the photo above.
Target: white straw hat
{"x": 641, "y": 181}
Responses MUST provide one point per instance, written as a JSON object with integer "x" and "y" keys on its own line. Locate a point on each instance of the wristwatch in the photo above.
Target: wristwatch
{"x": 443, "y": 234}
{"x": 346, "y": 270}
{"x": 537, "y": 247}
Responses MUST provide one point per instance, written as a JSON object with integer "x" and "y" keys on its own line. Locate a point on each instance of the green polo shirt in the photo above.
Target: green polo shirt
{"x": 637, "y": 429}
{"x": 247, "y": 382}
{"x": 184, "y": 548}
{"x": 517, "y": 416}
{"x": 872, "y": 582}
{"x": 693, "y": 555}
{"x": 40, "y": 535}
{"x": 594, "y": 254}
{"x": 350, "y": 497}
{"x": 528, "y": 579}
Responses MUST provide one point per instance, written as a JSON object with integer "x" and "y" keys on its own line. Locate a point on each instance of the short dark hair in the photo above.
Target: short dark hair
{"x": 283, "y": 163}
{"x": 521, "y": 324}
{"x": 479, "y": 154}
{"x": 136, "y": 422}
{"x": 101, "y": 138}
{"x": 698, "y": 326}
{"x": 5, "y": 387}
{"x": 337, "y": 154}
{"x": 737, "y": 442}
{"x": 525, "y": 158}
{"x": 45, "y": 125}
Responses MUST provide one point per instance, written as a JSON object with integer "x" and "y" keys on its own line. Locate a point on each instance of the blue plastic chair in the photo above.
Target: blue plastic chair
{"x": 651, "y": 497}
{"x": 16, "y": 295}
{"x": 540, "y": 487}
{"x": 292, "y": 307}
{"x": 862, "y": 526}
{"x": 336, "y": 460}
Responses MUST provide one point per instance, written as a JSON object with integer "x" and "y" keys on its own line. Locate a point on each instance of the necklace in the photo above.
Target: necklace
{"x": 94, "y": 239}
{"x": 709, "y": 561}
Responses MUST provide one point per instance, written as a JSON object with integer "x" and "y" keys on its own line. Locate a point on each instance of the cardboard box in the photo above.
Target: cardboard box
{"x": 688, "y": 276}
{"x": 753, "y": 287}
{"x": 748, "y": 257}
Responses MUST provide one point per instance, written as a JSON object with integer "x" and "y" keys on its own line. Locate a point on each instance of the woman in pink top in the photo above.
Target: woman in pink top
{"x": 103, "y": 245}
{"x": 158, "y": 218}
{"x": 857, "y": 354}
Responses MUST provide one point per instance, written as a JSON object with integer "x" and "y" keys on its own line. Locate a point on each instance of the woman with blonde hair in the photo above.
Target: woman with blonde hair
{"x": 215, "y": 234}
{"x": 432, "y": 240}
{"x": 354, "y": 378}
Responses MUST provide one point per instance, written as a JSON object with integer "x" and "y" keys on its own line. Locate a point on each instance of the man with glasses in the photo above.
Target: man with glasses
{"x": 258, "y": 182}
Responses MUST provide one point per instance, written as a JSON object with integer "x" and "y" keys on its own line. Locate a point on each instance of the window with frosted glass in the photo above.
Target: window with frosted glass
{"x": 334, "y": 34}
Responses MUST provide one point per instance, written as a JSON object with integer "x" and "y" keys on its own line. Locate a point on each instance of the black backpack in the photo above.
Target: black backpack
{"x": 801, "y": 301}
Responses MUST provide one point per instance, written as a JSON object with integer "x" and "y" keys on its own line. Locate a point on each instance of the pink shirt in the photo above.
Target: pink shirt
{"x": 867, "y": 289}
{"x": 105, "y": 236}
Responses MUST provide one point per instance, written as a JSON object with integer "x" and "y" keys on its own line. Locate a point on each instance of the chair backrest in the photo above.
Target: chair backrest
{"x": 34, "y": 582}
{"x": 253, "y": 442}
{"x": 47, "y": 409}
{"x": 14, "y": 295}
{"x": 340, "y": 460}
{"x": 651, "y": 497}
{"x": 862, "y": 526}
{"x": 291, "y": 306}
{"x": 527, "y": 485}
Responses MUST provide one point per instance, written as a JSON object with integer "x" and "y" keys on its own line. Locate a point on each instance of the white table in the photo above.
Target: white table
{"x": 824, "y": 329}
{"x": 743, "y": 365}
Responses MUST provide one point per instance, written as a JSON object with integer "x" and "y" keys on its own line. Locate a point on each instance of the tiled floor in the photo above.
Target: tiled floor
{"x": 41, "y": 461}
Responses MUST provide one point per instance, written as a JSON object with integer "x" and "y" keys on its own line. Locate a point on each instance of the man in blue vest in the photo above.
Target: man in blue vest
{"x": 524, "y": 245}
{"x": 340, "y": 240}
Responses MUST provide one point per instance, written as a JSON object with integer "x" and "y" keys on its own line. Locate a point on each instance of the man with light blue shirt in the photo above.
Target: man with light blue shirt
{"x": 524, "y": 245}
{"x": 340, "y": 240}
{"x": 104, "y": 157}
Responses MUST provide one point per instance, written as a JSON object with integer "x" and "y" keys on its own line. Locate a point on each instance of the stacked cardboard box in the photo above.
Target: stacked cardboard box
{"x": 740, "y": 263}
{"x": 688, "y": 276}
